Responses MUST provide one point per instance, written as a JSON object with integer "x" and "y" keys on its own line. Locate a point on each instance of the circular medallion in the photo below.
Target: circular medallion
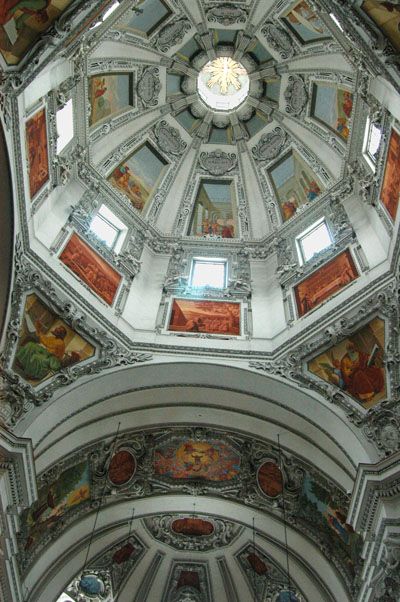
{"x": 122, "y": 467}
{"x": 91, "y": 586}
{"x": 223, "y": 84}
{"x": 269, "y": 478}
{"x": 192, "y": 527}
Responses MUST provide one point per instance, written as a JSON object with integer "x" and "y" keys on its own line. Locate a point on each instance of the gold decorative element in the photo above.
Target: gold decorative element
{"x": 225, "y": 72}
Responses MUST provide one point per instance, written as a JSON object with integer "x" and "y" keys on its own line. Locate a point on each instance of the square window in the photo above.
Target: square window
{"x": 314, "y": 240}
{"x": 109, "y": 228}
{"x": 208, "y": 272}
{"x": 65, "y": 125}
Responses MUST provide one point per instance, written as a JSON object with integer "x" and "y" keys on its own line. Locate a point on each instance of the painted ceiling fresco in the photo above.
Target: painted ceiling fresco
{"x": 46, "y": 343}
{"x": 182, "y": 176}
{"x": 23, "y": 22}
{"x": 157, "y": 462}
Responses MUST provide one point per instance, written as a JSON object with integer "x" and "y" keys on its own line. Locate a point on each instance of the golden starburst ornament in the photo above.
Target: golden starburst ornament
{"x": 225, "y": 72}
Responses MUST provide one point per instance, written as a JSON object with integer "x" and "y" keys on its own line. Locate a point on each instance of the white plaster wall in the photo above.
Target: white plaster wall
{"x": 145, "y": 295}
{"x": 267, "y": 300}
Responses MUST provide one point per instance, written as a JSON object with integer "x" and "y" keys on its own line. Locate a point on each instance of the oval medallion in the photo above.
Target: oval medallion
{"x": 192, "y": 527}
{"x": 269, "y": 478}
{"x": 122, "y": 467}
{"x": 91, "y": 586}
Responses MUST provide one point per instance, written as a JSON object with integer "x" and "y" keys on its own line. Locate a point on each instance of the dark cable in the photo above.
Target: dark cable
{"x": 284, "y": 516}
{"x": 100, "y": 502}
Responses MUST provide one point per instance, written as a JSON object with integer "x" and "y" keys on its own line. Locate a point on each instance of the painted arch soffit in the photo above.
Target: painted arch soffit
{"x": 199, "y": 462}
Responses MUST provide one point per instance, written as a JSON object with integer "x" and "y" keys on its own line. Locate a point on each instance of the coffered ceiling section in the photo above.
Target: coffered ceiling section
{"x": 257, "y": 95}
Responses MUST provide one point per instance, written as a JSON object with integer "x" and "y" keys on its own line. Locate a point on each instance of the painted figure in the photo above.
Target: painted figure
{"x": 356, "y": 364}
{"x": 37, "y": 359}
{"x": 189, "y": 459}
{"x": 302, "y": 14}
{"x": 313, "y": 191}
{"x": 91, "y": 268}
{"x": 386, "y": 16}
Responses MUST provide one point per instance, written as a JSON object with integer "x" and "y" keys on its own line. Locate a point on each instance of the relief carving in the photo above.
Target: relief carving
{"x": 172, "y": 34}
{"x": 270, "y": 145}
{"x": 169, "y": 139}
{"x": 296, "y": 95}
{"x": 226, "y": 14}
{"x": 218, "y": 162}
{"x": 149, "y": 86}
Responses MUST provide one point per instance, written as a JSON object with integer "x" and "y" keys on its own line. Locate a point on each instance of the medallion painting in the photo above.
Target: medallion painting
{"x": 187, "y": 459}
{"x": 325, "y": 282}
{"x": 295, "y": 184}
{"x": 192, "y": 527}
{"x": 138, "y": 176}
{"x": 122, "y": 467}
{"x": 390, "y": 193}
{"x": 46, "y": 344}
{"x": 211, "y": 317}
{"x": 22, "y": 22}
{"x": 332, "y": 106}
{"x": 306, "y": 24}
{"x": 356, "y": 364}
{"x": 154, "y": 12}
{"x": 36, "y": 146}
{"x": 386, "y": 16}
{"x": 269, "y": 479}
{"x": 55, "y": 500}
{"x": 214, "y": 212}
{"x": 99, "y": 276}
{"x": 109, "y": 94}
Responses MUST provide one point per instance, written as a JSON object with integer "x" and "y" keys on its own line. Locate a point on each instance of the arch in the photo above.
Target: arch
{"x": 315, "y": 575}
{"x": 203, "y": 394}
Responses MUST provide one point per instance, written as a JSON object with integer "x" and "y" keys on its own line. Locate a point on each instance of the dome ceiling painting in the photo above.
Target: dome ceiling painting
{"x": 278, "y": 133}
{"x": 200, "y": 364}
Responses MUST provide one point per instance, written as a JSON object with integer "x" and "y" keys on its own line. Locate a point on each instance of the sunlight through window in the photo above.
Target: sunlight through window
{"x": 65, "y": 125}
{"x": 314, "y": 240}
{"x": 210, "y": 273}
{"x": 372, "y": 140}
{"x": 109, "y": 228}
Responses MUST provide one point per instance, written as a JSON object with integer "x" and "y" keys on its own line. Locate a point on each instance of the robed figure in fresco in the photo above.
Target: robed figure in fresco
{"x": 44, "y": 353}
{"x": 14, "y": 13}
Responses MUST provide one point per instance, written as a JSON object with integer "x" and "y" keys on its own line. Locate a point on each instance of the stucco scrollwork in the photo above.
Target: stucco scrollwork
{"x": 169, "y": 139}
{"x": 223, "y": 532}
{"x": 226, "y": 14}
{"x": 296, "y": 95}
{"x": 19, "y": 393}
{"x": 171, "y": 34}
{"x": 149, "y": 86}
{"x": 386, "y": 582}
{"x": 217, "y": 162}
{"x": 279, "y": 40}
{"x": 270, "y": 145}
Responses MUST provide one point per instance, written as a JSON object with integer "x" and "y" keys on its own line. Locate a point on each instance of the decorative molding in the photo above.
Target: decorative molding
{"x": 148, "y": 86}
{"x": 171, "y": 34}
{"x": 279, "y": 40}
{"x": 225, "y": 14}
{"x": 169, "y": 139}
{"x": 20, "y": 394}
{"x": 296, "y": 95}
{"x": 217, "y": 163}
{"x": 270, "y": 145}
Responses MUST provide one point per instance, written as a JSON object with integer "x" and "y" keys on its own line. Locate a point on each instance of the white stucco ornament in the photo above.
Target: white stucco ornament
{"x": 223, "y": 84}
